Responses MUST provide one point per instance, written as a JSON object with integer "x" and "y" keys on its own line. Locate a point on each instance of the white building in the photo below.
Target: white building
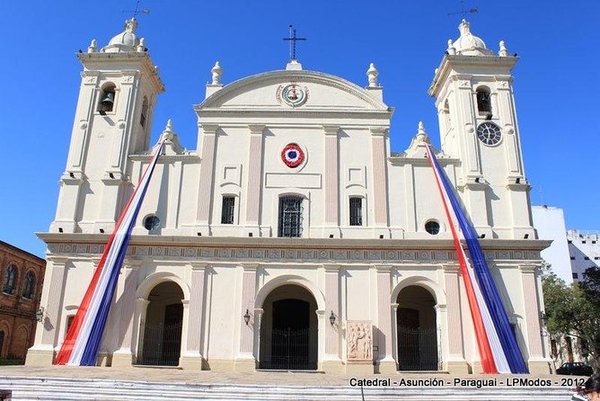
{"x": 584, "y": 252}
{"x": 550, "y": 225}
{"x": 293, "y": 204}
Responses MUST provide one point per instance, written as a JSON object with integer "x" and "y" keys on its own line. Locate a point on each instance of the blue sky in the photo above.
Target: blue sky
{"x": 556, "y": 80}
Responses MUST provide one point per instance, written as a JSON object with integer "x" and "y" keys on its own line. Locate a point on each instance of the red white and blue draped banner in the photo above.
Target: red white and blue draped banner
{"x": 497, "y": 344}
{"x": 85, "y": 334}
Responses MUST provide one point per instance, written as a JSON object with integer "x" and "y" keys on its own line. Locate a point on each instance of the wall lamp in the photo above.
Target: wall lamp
{"x": 39, "y": 314}
{"x": 332, "y": 318}
{"x": 247, "y": 317}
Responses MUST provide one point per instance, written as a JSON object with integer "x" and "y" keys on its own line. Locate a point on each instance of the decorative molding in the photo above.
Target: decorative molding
{"x": 202, "y": 254}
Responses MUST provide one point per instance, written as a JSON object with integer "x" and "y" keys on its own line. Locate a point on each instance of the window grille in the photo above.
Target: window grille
{"x": 227, "y": 212}
{"x": 290, "y": 216}
{"x": 356, "y": 211}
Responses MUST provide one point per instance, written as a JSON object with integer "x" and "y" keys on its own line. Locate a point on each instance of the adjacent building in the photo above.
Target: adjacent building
{"x": 21, "y": 275}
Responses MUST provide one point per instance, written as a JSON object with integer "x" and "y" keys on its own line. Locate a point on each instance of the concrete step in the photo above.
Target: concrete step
{"x": 68, "y": 389}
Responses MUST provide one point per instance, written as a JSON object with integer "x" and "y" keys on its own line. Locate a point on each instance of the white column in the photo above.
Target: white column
{"x": 379, "y": 179}
{"x": 258, "y": 312}
{"x": 139, "y": 324}
{"x": 395, "y": 334}
{"x": 127, "y": 287}
{"x": 384, "y": 320}
{"x": 321, "y": 338}
{"x": 193, "y": 314}
{"x": 331, "y": 182}
{"x": 245, "y": 360}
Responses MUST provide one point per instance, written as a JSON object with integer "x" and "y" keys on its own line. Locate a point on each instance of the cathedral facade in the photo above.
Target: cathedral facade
{"x": 292, "y": 237}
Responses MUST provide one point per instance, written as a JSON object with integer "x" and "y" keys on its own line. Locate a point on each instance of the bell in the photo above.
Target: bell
{"x": 107, "y": 101}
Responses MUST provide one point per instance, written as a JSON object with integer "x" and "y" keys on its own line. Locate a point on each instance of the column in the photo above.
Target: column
{"x": 453, "y": 335}
{"x": 139, "y": 325}
{"x": 533, "y": 331}
{"x": 384, "y": 320}
{"x": 395, "y": 334}
{"x": 191, "y": 355}
{"x": 253, "y": 192}
{"x": 127, "y": 286}
{"x": 331, "y": 182}
{"x": 205, "y": 188}
{"x": 245, "y": 361}
{"x": 46, "y": 335}
{"x": 258, "y": 312}
{"x": 332, "y": 362}
{"x": 380, "y": 195}
{"x": 321, "y": 337}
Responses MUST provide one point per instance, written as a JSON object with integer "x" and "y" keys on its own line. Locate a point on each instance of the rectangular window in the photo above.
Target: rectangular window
{"x": 290, "y": 217}
{"x": 586, "y": 258}
{"x": 228, "y": 210}
{"x": 575, "y": 276}
{"x": 356, "y": 212}
{"x": 572, "y": 257}
{"x": 583, "y": 242}
{"x": 596, "y": 257}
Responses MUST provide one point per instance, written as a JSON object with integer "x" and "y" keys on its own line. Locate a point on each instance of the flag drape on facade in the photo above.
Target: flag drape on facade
{"x": 497, "y": 344}
{"x": 85, "y": 334}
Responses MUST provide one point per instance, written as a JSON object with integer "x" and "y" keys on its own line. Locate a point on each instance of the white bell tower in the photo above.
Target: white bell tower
{"x": 478, "y": 125}
{"x": 119, "y": 88}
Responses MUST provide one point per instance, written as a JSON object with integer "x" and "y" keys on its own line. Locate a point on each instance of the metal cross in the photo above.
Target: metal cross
{"x": 463, "y": 11}
{"x": 137, "y": 10}
{"x": 293, "y": 39}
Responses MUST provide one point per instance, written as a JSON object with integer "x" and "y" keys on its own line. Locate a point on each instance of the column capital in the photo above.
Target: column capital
{"x": 331, "y": 267}
{"x": 250, "y": 267}
{"x": 320, "y": 313}
{"x": 198, "y": 265}
{"x": 379, "y": 131}
{"x": 331, "y": 129}
{"x": 394, "y": 306}
{"x": 450, "y": 267}
{"x": 384, "y": 269}
{"x": 57, "y": 260}
{"x": 258, "y": 311}
{"x": 528, "y": 268}
{"x": 256, "y": 129}
{"x": 209, "y": 129}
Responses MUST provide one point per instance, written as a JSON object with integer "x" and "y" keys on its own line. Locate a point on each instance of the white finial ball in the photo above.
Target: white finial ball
{"x": 217, "y": 72}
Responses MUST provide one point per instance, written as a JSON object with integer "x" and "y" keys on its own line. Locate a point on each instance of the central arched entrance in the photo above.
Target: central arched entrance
{"x": 288, "y": 338}
{"x": 417, "y": 329}
{"x": 161, "y": 344}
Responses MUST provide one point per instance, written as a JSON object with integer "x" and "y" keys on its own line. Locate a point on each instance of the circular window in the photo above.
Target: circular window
{"x": 151, "y": 222}
{"x": 432, "y": 227}
{"x": 489, "y": 133}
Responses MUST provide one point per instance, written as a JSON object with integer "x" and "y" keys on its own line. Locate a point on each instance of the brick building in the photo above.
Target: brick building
{"x": 21, "y": 279}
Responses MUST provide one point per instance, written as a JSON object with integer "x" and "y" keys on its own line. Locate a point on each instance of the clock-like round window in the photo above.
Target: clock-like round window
{"x": 151, "y": 222}
{"x": 489, "y": 133}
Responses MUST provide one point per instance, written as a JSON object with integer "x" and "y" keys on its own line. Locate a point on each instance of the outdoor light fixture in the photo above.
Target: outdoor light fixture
{"x": 332, "y": 318}
{"x": 544, "y": 317}
{"x": 39, "y": 315}
{"x": 247, "y": 317}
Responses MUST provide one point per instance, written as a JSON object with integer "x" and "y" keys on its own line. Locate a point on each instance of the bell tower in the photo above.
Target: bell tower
{"x": 118, "y": 92}
{"x": 478, "y": 124}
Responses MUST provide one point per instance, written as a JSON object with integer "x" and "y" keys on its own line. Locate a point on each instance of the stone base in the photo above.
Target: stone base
{"x": 457, "y": 367}
{"x": 475, "y": 368}
{"x": 246, "y": 365}
{"x": 335, "y": 367}
{"x": 104, "y": 359}
{"x": 221, "y": 365}
{"x": 39, "y": 357}
{"x": 358, "y": 369}
{"x": 122, "y": 360}
{"x": 539, "y": 367}
{"x": 386, "y": 367}
{"x": 191, "y": 362}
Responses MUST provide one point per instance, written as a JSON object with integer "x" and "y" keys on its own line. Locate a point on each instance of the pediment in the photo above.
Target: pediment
{"x": 270, "y": 91}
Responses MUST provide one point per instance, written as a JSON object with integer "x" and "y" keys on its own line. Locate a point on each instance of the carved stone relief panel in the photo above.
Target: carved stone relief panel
{"x": 360, "y": 340}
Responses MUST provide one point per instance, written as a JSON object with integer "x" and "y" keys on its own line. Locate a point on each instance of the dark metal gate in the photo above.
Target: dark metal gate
{"x": 162, "y": 345}
{"x": 289, "y": 350}
{"x": 417, "y": 349}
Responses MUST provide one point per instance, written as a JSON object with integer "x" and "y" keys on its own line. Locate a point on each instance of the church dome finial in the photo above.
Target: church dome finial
{"x": 125, "y": 41}
{"x": 468, "y": 44}
{"x": 372, "y": 75}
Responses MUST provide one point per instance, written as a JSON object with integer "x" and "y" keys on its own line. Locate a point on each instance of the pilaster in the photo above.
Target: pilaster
{"x": 255, "y": 172}
{"x": 205, "y": 187}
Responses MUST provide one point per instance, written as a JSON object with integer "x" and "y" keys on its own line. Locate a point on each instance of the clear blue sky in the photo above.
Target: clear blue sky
{"x": 556, "y": 80}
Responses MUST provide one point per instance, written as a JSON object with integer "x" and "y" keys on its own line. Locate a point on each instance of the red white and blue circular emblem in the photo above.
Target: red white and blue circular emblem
{"x": 292, "y": 155}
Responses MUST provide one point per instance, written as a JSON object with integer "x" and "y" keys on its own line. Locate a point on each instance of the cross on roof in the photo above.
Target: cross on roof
{"x": 463, "y": 11}
{"x": 293, "y": 39}
{"x": 137, "y": 10}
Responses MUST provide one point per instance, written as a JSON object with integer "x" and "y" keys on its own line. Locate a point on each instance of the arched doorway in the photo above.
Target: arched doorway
{"x": 289, "y": 334}
{"x": 161, "y": 344}
{"x": 417, "y": 329}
